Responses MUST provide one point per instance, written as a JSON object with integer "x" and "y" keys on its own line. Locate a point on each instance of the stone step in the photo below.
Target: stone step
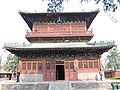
{"x": 91, "y": 85}
{"x": 85, "y": 85}
{"x": 59, "y": 86}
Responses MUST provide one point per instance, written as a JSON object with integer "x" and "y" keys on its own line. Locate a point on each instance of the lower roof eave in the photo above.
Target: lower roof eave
{"x": 73, "y": 48}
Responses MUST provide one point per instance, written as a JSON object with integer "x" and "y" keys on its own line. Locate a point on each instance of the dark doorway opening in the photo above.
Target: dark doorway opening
{"x": 60, "y": 74}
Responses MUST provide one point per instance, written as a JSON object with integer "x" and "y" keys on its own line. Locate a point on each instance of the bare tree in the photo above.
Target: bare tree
{"x": 108, "y": 5}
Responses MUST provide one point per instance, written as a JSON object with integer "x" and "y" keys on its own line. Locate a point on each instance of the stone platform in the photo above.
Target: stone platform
{"x": 57, "y": 85}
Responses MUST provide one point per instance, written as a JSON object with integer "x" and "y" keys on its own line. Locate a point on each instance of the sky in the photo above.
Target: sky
{"x": 13, "y": 27}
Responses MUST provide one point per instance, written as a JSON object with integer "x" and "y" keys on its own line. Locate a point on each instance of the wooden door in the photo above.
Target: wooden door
{"x": 70, "y": 74}
{"x": 50, "y": 72}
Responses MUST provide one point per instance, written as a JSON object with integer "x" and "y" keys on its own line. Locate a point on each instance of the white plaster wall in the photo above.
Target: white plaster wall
{"x": 87, "y": 76}
{"x": 31, "y": 77}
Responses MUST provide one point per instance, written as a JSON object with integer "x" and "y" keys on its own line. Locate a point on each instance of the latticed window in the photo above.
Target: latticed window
{"x": 85, "y": 64}
{"x": 95, "y": 64}
{"x": 48, "y": 66}
{"x": 34, "y": 66}
{"x": 39, "y": 66}
{"x": 29, "y": 66}
{"x": 53, "y": 65}
{"x": 90, "y": 64}
{"x": 67, "y": 65}
{"x": 71, "y": 65}
{"x": 23, "y": 66}
{"x": 80, "y": 65}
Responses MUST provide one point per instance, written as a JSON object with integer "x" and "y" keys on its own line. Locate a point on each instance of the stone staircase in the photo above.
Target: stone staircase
{"x": 59, "y": 86}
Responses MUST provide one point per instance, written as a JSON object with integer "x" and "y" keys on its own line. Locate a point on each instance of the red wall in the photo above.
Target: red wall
{"x": 58, "y": 28}
{"x": 112, "y": 74}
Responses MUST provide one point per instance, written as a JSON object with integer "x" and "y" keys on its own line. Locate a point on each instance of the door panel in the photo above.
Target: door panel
{"x": 70, "y": 74}
{"x": 50, "y": 71}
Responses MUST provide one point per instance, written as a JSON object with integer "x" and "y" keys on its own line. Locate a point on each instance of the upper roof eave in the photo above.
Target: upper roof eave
{"x": 31, "y": 17}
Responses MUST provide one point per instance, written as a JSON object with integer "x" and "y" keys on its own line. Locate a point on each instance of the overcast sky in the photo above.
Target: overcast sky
{"x": 13, "y": 27}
